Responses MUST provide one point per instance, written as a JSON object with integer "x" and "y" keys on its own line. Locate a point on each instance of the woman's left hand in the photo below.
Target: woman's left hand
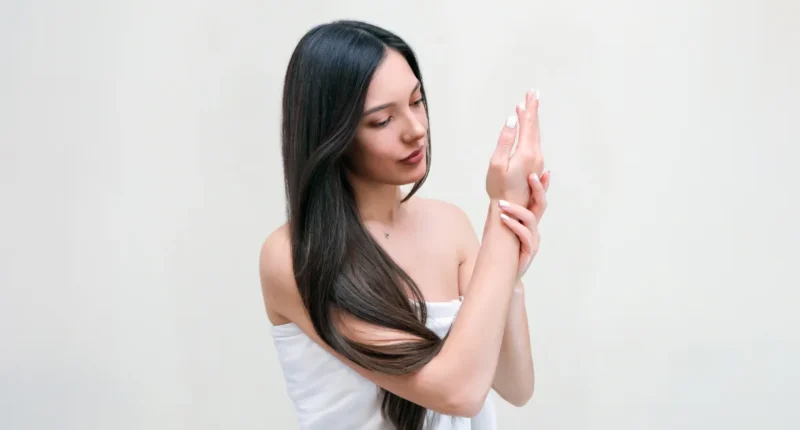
{"x": 524, "y": 222}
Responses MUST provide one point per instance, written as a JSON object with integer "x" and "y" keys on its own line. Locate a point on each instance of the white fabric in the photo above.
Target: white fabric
{"x": 329, "y": 395}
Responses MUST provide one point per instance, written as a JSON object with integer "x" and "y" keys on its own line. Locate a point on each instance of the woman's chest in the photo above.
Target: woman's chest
{"x": 429, "y": 258}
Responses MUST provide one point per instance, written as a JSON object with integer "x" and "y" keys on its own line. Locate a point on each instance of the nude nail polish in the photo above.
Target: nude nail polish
{"x": 512, "y": 121}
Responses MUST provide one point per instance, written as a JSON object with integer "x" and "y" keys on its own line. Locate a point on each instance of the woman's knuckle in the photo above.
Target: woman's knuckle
{"x": 529, "y": 115}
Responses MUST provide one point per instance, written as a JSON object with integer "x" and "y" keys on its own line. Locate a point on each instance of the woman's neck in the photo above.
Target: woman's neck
{"x": 377, "y": 202}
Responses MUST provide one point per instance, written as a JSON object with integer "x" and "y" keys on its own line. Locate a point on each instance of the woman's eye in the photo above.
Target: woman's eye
{"x": 386, "y": 122}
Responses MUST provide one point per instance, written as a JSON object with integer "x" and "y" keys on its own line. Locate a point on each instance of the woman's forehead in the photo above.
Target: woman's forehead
{"x": 393, "y": 80}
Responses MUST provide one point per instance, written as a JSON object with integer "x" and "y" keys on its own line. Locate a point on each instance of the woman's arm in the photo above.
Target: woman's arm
{"x": 514, "y": 376}
{"x": 457, "y": 380}
{"x": 514, "y": 379}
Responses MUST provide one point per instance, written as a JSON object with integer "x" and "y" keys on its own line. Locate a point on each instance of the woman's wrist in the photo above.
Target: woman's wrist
{"x": 493, "y": 220}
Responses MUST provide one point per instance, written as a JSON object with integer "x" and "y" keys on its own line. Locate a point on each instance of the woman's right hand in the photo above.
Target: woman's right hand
{"x": 524, "y": 221}
{"x": 507, "y": 175}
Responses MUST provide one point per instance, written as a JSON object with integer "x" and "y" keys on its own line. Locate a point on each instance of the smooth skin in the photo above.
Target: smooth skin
{"x": 435, "y": 244}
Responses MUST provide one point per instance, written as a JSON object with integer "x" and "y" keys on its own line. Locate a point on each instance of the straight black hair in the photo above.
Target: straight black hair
{"x": 338, "y": 265}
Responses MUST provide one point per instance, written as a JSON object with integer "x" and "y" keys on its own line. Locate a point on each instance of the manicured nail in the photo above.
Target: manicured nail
{"x": 521, "y": 105}
{"x": 535, "y": 177}
{"x": 534, "y": 93}
{"x": 512, "y": 121}
{"x": 505, "y": 217}
{"x": 503, "y": 204}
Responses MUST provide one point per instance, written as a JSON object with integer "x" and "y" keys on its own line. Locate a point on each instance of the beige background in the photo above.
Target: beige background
{"x": 140, "y": 171}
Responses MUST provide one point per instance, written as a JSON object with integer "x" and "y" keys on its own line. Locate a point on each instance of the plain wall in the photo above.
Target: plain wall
{"x": 140, "y": 170}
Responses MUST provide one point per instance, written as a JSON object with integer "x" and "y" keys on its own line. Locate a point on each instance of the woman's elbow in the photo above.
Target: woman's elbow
{"x": 467, "y": 402}
{"x": 521, "y": 398}
{"x": 468, "y": 407}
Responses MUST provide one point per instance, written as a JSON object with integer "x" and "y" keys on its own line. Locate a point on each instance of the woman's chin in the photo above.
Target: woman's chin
{"x": 405, "y": 175}
{"x": 414, "y": 175}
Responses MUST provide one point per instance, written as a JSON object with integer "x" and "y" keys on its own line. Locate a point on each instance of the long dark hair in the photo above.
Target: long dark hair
{"x": 338, "y": 265}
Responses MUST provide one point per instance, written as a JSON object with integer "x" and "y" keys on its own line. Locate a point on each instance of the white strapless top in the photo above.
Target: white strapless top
{"x": 329, "y": 395}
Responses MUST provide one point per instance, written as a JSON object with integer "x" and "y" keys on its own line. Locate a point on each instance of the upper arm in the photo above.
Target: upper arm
{"x": 434, "y": 386}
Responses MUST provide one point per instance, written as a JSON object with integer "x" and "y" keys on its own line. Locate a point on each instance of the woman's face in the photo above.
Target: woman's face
{"x": 391, "y": 140}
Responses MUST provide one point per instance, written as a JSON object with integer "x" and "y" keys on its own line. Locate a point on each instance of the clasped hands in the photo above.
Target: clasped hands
{"x": 516, "y": 179}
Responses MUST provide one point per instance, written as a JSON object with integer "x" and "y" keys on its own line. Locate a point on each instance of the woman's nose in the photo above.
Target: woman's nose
{"x": 414, "y": 131}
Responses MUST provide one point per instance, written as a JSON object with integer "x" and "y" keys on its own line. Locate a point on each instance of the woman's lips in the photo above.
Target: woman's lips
{"x": 415, "y": 157}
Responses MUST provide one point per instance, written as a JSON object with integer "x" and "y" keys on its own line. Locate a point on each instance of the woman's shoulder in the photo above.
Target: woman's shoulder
{"x": 276, "y": 251}
{"x": 448, "y": 225}
{"x": 276, "y": 273}
{"x": 438, "y": 208}
{"x": 444, "y": 215}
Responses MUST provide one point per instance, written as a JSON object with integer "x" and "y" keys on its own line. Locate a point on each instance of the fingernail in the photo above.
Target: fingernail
{"x": 521, "y": 105}
{"x": 505, "y": 217}
{"x": 535, "y": 177}
{"x": 534, "y": 92}
{"x": 512, "y": 121}
{"x": 503, "y": 204}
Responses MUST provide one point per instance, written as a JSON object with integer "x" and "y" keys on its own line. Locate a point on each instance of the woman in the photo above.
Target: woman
{"x": 362, "y": 285}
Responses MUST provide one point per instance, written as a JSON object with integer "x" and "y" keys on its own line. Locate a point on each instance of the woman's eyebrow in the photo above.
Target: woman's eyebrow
{"x": 386, "y": 105}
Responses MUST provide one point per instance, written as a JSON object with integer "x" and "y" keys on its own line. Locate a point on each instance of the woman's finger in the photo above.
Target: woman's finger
{"x": 521, "y": 213}
{"x": 529, "y": 123}
{"x": 529, "y": 242}
{"x": 546, "y": 180}
{"x": 523, "y": 233}
{"x": 538, "y": 197}
{"x": 525, "y": 264}
{"x": 505, "y": 143}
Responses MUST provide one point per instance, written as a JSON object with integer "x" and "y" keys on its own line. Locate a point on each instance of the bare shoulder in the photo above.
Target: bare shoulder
{"x": 440, "y": 210}
{"x": 277, "y": 275}
{"x": 449, "y": 219}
